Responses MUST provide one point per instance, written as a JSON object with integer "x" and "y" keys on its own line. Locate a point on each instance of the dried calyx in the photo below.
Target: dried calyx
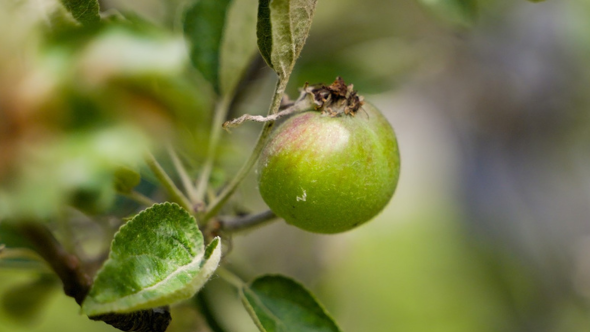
{"x": 334, "y": 100}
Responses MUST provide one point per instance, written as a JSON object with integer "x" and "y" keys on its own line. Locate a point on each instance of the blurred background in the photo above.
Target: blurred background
{"x": 489, "y": 229}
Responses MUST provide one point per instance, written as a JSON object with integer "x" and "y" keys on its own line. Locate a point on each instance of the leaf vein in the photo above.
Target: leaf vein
{"x": 266, "y": 309}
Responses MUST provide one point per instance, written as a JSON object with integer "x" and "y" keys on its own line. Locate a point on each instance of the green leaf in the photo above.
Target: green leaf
{"x": 283, "y": 26}
{"x": 203, "y": 24}
{"x": 279, "y": 304}
{"x": 156, "y": 259}
{"x": 83, "y": 11}
{"x": 126, "y": 179}
{"x": 461, "y": 13}
{"x": 238, "y": 45}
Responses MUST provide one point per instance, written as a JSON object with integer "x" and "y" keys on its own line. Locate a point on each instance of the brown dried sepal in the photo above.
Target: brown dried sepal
{"x": 336, "y": 98}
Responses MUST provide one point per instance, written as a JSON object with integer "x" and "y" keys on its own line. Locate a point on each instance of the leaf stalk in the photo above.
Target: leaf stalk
{"x": 184, "y": 177}
{"x": 175, "y": 194}
{"x": 230, "y": 277}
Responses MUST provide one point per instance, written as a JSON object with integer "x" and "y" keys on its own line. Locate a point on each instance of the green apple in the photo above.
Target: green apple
{"x": 328, "y": 172}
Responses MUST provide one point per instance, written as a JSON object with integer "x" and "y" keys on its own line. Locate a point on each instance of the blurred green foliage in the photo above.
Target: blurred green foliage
{"x": 84, "y": 102}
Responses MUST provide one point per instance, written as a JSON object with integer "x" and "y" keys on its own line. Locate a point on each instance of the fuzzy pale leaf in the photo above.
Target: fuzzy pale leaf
{"x": 283, "y": 27}
{"x": 156, "y": 259}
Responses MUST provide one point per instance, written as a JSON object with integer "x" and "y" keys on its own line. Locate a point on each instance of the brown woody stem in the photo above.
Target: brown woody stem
{"x": 67, "y": 267}
{"x": 247, "y": 222}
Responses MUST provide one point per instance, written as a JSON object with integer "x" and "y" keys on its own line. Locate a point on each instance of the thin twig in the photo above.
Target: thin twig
{"x": 297, "y": 107}
{"x": 186, "y": 180}
{"x": 220, "y": 114}
{"x": 247, "y": 222}
{"x": 216, "y": 205}
{"x": 140, "y": 198}
{"x": 175, "y": 194}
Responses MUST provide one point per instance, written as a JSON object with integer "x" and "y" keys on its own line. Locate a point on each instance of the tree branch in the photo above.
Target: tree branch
{"x": 67, "y": 267}
{"x": 246, "y": 222}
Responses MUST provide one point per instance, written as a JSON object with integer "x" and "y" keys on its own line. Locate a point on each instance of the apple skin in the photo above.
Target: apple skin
{"x": 327, "y": 174}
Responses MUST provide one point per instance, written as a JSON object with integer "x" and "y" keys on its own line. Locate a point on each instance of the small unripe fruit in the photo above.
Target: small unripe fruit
{"x": 328, "y": 172}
